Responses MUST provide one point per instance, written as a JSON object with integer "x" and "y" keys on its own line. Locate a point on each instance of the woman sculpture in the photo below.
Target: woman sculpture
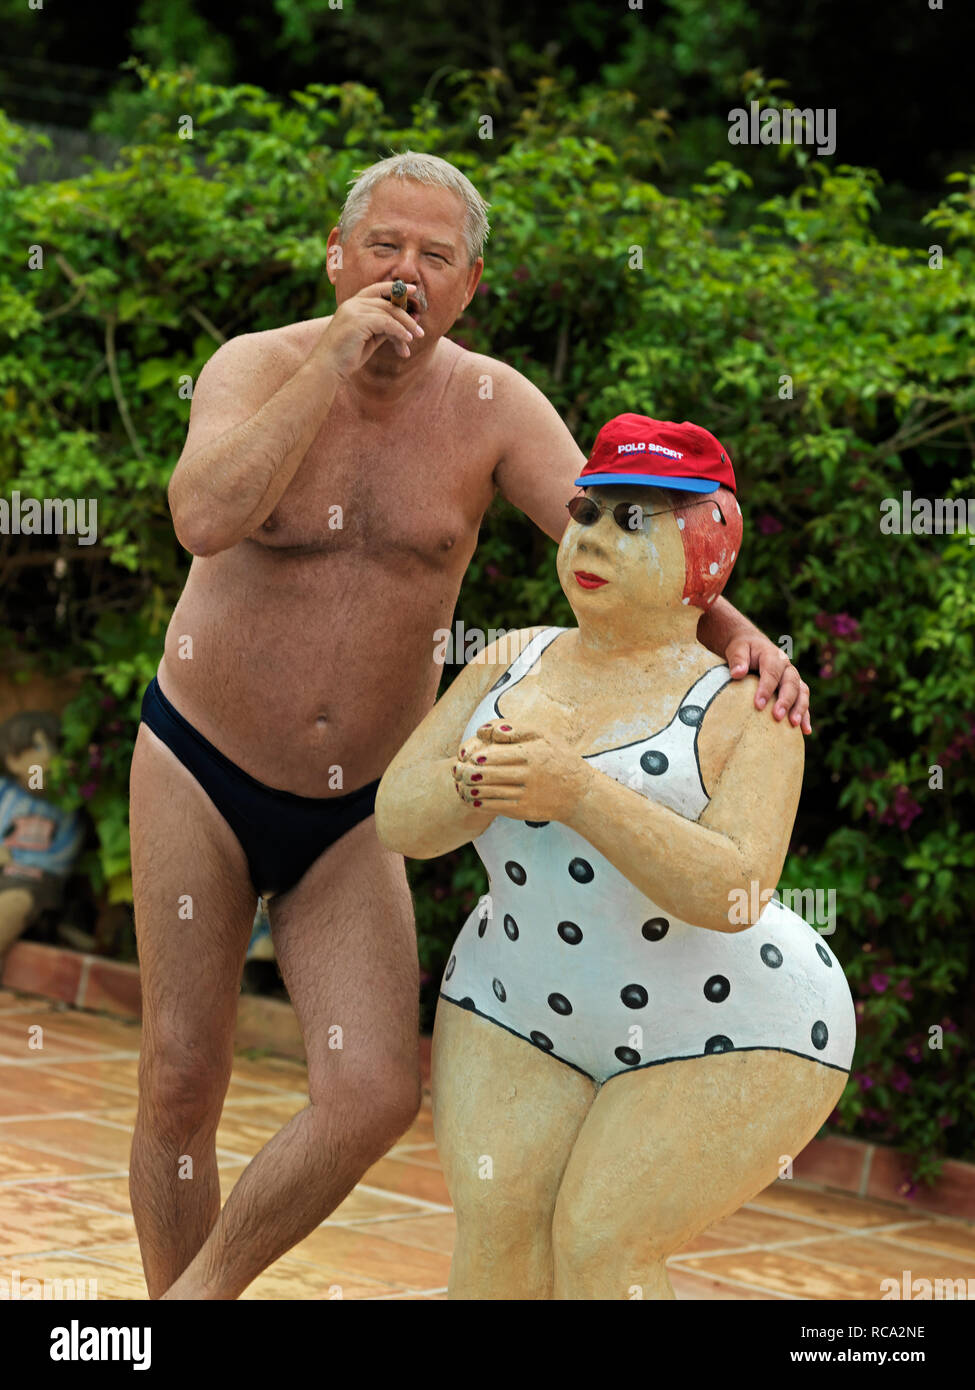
{"x": 622, "y": 1054}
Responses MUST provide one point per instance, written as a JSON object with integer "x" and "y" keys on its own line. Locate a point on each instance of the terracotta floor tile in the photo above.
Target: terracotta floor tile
{"x": 101, "y": 1145}
{"x": 360, "y": 1251}
{"x": 95, "y": 1030}
{"x": 689, "y": 1287}
{"x": 949, "y": 1237}
{"x": 780, "y": 1272}
{"x": 33, "y": 1221}
{"x": 119, "y": 1073}
{"x": 19, "y": 1163}
{"x": 243, "y": 1135}
{"x": 289, "y": 1279}
{"x": 21, "y": 1093}
{"x": 272, "y": 1073}
{"x": 16, "y": 1037}
{"x": 750, "y": 1227}
{"x": 833, "y": 1208}
{"x": 70, "y": 1264}
{"x": 883, "y": 1259}
{"x": 110, "y": 1193}
{"x": 410, "y": 1179}
{"x": 361, "y": 1205}
{"x": 436, "y": 1232}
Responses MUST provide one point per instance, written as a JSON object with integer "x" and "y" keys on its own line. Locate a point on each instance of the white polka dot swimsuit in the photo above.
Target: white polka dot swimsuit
{"x": 566, "y": 953}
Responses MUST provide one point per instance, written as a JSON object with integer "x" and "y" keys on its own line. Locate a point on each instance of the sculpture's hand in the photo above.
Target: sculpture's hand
{"x": 754, "y": 652}
{"x": 521, "y": 773}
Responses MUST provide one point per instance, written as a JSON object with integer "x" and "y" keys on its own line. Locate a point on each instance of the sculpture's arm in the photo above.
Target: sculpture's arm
{"x": 418, "y": 810}
{"x": 690, "y": 868}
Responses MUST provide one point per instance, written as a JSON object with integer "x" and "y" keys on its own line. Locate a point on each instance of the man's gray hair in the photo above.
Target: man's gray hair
{"x": 421, "y": 168}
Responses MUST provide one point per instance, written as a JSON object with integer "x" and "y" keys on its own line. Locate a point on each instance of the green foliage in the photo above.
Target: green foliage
{"x": 837, "y": 368}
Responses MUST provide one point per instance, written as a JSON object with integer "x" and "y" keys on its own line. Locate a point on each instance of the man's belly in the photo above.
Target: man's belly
{"x": 308, "y": 675}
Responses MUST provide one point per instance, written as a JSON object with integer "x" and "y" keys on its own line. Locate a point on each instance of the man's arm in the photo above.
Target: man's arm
{"x": 254, "y": 417}
{"x": 537, "y": 472}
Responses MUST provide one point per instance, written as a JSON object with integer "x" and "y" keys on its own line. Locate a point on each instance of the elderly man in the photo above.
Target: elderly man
{"x": 331, "y": 486}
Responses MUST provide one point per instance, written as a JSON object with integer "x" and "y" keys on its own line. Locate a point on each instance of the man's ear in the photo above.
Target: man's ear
{"x": 333, "y": 262}
{"x": 473, "y": 280}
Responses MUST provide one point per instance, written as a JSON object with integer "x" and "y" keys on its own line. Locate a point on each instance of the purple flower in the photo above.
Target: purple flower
{"x": 903, "y": 989}
{"x": 768, "y": 525}
{"x": 913, "y": 1052}
{"x": 864, "y": 1081}
{"x": 521, "y": 272}
{"x": 879, "y": 982}
{"x": 822, "y": 621}
{"x": 900, "y": 1080}
{"x": 842, "y": 625}
{"x": 908, "y": 1188}
{"x": 482, "y": 288}
{"x": 872, "y": 1116}
{"x": 491, "y": 571}
{"x": 89, "y": 790}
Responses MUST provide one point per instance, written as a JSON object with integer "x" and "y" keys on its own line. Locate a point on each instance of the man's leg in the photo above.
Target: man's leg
{"x": 194, "y": 907}
{"x": 345, "y": 940}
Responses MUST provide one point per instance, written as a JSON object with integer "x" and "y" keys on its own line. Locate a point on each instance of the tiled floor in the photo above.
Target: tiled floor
{"x": 66, "y": 1111}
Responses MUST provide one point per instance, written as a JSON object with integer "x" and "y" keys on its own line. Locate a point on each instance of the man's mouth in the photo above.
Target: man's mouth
{"x": 589, "y": 581}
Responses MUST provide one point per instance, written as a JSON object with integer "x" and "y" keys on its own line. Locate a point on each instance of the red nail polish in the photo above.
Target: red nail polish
{"x": 506, "y": 728}
{"x": 463, "y": 752}
{"x": 477, "y": 776}
{"x": 477, "y": 803}
{"x": 480, "y": 760}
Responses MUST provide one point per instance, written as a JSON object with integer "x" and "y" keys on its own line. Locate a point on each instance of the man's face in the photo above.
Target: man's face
{"x": 414, "y": 233}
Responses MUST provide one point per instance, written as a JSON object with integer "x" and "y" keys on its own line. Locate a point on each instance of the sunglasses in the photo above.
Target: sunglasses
{"x": 629, "y": 516}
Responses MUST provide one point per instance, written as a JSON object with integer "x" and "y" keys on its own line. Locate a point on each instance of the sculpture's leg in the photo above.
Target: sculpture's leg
{"x": 505, "y": 1119}
{"x": 667, "y": 1151}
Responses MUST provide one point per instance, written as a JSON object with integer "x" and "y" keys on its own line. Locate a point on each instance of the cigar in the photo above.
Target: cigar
{"x": 398, "y": 295}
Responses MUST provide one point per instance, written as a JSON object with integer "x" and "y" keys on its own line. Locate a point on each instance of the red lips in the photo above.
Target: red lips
{"x": 589, "y": 581}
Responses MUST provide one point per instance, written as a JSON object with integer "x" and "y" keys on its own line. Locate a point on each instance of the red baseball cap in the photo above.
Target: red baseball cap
{"x": 658, "y": 453}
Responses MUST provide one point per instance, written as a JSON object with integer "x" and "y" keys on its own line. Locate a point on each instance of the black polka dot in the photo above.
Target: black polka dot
{"x": 467, "y": 1002}
{"x": 569, "y": 933}
{"x": 499, "y": 990}
{"x": 634, "y": 996}
{"x": 540, "y": 1040}
{"x": 823, "y": 955}
{"x": 482, "y": 925}
{"x": 627, "y": 1056}
{"x": 515, "y": 872}
{"x": 450, "y": 967}
{"x": 819, "y": 1034}
{"x": 536, "y": 824}
{"x": 719, "y": 1043}
{"x": 499, "y": 683}
{"x": 690, "y": 714}
{"x": 582, "y": 871}
{"x": 656, "y": 929}
{"x": 717, "y": 989}
{"x": 510, "y": 927}
{"x": 771, "y": 955}
{"x": 654, "y": 762}
{"x": 559, "y": 1003}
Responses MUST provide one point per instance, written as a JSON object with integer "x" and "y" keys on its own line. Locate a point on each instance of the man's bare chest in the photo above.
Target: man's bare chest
{"x": 414, "y": 488}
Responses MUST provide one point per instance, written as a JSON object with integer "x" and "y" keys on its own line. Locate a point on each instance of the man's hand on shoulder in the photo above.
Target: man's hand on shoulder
{"x": 753, "y": 651}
